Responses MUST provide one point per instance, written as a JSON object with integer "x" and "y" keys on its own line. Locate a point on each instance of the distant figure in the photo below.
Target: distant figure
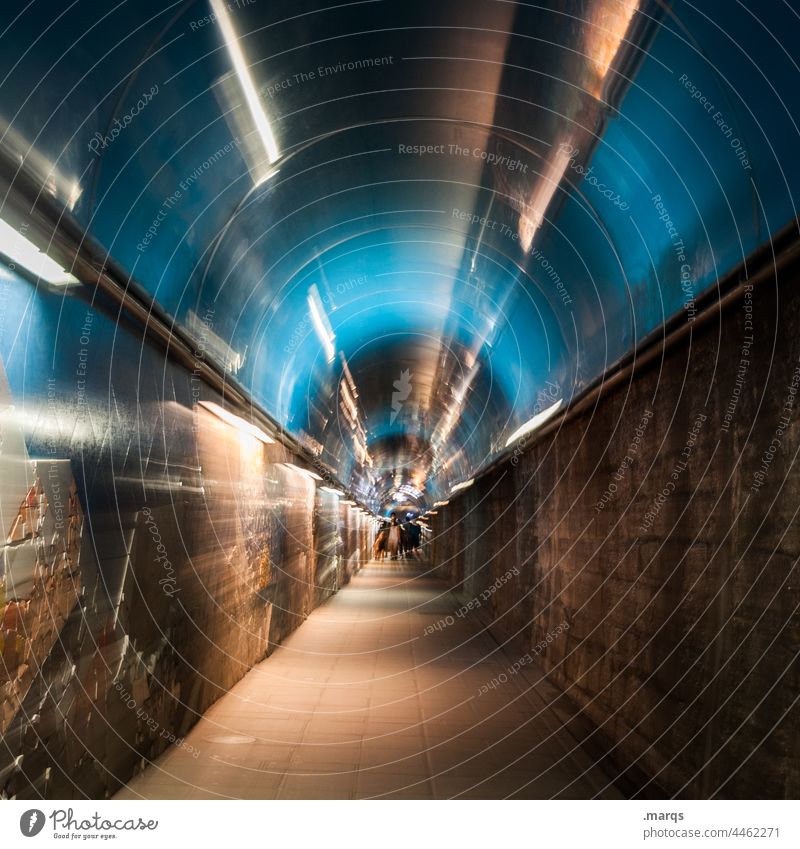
{"x": 395, "y": 544}
{"x": 381, "y": 543}
{"x": 413, "y": 533}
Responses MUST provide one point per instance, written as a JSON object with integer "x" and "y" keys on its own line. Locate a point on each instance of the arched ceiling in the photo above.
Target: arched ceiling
{"x": 406, "y": 229}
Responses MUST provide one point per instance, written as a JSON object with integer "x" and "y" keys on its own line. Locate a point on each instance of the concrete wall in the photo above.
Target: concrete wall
{"x": 647, "y": 551}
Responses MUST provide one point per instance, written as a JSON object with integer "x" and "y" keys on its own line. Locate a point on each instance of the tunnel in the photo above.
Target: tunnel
{"x": 399, "y": 400}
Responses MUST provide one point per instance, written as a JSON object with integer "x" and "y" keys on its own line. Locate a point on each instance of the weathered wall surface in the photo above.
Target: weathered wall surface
{"x": 151, "y": 553}
{"x": 661, "y": 527}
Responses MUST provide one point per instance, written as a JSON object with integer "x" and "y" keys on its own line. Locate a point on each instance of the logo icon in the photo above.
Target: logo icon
{"x": 402, "y": 391}
{"x": 31, "y": 822}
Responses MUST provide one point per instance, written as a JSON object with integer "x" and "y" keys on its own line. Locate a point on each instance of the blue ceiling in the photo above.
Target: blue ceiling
{"x": 407, "y": 228}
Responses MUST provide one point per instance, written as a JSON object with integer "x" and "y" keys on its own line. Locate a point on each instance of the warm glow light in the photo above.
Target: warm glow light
{"x": 220, "y": 10}
{"x": 536, "y": 209}
{"x": 604, "y": 34}
{"x": 238, "y": 422}
{"x": 537, "y": 421}
{"x": 448, "y": 421}
{"x": 463, "y": 485}
{"x": 20, "y": 251}
{"x": 349, "y": 403}
{"x": 305, "y": 472}
{"x": 441, "y": 503}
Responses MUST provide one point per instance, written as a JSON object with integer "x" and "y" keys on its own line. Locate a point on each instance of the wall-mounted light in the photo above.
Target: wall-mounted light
{"x": 19, "y": 251}
{"x": 537, "y": 421}
{"x": 306, "y": 472}
{"x": 238, "y": 422}
{"x": 441, "y": 503}
{"x": 463, "y": 485}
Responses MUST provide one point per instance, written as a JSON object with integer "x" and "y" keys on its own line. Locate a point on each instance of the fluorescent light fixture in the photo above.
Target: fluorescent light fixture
{"x": 20, "y": 251}
{"x": 349, "y": 403}
{"x": 306, "y": 472}
{"x": 605, "y": 33}
{"x": 537, "y": 421}
{"x": 536, "y": 208}
{"x": 238, "y": 422}
{"x": 463, "y": 485}
{"x": 330, "y": 490}
{"x": 220, "y": 10}
{"x": 433, "y": 512}
{"x": 325, "y": 334}
{"x": 441, "y": 503}
{"x": 349, "y": 503}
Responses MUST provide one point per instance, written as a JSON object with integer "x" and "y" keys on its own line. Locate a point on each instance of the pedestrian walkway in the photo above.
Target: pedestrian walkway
{"x": 363, "y": 702}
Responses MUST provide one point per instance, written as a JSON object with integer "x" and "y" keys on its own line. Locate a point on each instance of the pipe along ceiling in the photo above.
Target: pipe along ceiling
{"x": 412, "y": 232}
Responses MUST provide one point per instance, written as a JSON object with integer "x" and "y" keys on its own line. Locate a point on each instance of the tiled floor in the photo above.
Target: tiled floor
{"x": 360, "y": 703}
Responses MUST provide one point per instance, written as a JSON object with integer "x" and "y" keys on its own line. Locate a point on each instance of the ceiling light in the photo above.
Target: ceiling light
{"x": 19, "y": 251}
{"x": 319, "y": 320}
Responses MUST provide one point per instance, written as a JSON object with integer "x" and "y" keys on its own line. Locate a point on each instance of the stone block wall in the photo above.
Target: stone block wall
{"x": 661, "y": 527}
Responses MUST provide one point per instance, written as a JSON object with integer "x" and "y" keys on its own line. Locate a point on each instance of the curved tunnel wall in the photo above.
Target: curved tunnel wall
{"x": 153, "y": 552}
{"x": 532, "y": 190}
